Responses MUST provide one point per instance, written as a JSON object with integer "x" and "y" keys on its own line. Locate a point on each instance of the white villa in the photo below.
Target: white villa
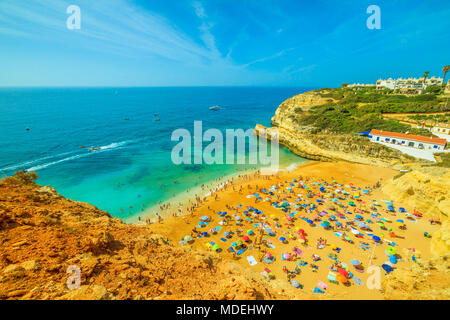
{"x": 408, "y": 140}
{"x": 442, "y": 130}
{"x": 354, "y": 85}
{"x": 410, "y": 85}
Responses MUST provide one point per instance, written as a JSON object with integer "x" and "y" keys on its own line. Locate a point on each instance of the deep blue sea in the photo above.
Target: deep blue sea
{"x": 132, "y": 170}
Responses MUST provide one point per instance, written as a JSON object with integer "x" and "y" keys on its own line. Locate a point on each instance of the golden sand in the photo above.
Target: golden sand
{"x": 236, "y": 193}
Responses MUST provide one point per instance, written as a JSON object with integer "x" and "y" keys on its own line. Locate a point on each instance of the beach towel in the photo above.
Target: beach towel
{"x": 251, "y": 260}
{"x": 318, "y": 290}
{"x": 322, "y": 285}
{"x": 358, "y": 281}
{"x": 298, "y": 251}
{"x": 240, "y": 251}
{"x": 332, "y": 277}
{"x": 302, "y": 263}
{"x": 338, "y": 234}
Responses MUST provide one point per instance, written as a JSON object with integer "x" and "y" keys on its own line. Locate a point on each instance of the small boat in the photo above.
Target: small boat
{"x": 93, "y": 149}
{"x": 127, "y": 118}
{"x": 157, "y": 119}
{"x": 214, "y": 108}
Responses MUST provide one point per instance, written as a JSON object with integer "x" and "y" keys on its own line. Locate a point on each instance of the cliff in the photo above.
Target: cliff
{"x": 427, "y": 190}
{"x": 42, "y": 234}
{"x": 323, "y": 145}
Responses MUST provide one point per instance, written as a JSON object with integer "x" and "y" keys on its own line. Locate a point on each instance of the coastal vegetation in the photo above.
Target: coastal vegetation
{"x": 354, "y": 110}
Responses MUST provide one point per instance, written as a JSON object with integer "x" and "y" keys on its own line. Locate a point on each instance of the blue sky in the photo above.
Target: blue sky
{"x": 220, "y": 42}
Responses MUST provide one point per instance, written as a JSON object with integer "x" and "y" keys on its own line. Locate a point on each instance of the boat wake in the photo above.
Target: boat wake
{"x": 23, "y": 165}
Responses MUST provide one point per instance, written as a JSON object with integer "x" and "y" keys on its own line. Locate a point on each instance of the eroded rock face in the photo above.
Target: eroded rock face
{"x": 427, "y": 189}
{"x": 88, "y": 293}
{"x": 427, "y": 280}
{"x": 304, "y": 102}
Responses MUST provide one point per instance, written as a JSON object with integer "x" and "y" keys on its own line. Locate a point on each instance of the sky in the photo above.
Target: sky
{"x": 294, "y": 43}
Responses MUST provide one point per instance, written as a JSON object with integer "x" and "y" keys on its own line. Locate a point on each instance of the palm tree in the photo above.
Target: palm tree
{"x": 425, "y": 76}
{"x": 445, "y": 70}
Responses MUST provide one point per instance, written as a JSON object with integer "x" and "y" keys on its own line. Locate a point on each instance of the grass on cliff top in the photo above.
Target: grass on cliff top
{"x": 361, "y": 109}
{"x": 445, "y": 157}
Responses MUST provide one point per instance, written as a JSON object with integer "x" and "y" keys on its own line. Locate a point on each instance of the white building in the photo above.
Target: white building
{"x": 354, "y": 85}
{"x": 408, "y": 140}
{"x": 410, "y": 85}
{"x": 442, "y": 130}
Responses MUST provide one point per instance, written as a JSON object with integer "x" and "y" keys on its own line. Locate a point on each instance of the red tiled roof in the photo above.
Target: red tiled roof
{"x": 408, "y": 136}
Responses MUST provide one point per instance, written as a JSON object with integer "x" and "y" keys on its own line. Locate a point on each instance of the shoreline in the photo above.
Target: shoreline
{"x": 183, "y": 203}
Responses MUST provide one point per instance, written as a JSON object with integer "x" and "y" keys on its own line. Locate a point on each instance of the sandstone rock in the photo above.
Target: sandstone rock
{"x": 31, "y": 265}
{"x": 85, "y": 292}
{"x": 13, "y": 268}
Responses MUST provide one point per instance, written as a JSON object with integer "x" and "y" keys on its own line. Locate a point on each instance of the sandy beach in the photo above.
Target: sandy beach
{"x": 312, "y": 183}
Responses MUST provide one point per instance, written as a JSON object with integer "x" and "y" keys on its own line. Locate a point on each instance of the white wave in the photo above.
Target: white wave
{"x": 108, "y": 147}
{"x": 113, "y": 145}
{"x": 24, "y": 164}
{"x": 46, "y": 165}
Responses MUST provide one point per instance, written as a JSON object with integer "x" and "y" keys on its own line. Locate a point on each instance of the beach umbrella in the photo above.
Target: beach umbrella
{"x": 365, "y": 191}
{"x": 355, "y": 262}
{"x": 376, "y": 238}
{"x": 401, "y": 209}
{"x": 268, "y": 255}
{"x": 323, "y": 224}
{"x": 359, "y": 216}
{"x": 201, "y": 223}
{"x": 310, "y": 221}
{"x": 361, "y": 225}
{"x": 286, "y": 256}
{"x": 391, "y": 208}
{"x": 205, "y": 234}
{"x": 250, "y": 232}
{"x": 387, "y": 268}
{"x": 215, "y": 247}
{"x": 187, "y": 238}
{"x": 355, "y": 232}
{"x": 343, "y": 272}
{"x": 245, "y": 238}
{"x": 282, "y": 239}
{"x": 204, "y": 218}
{"x": 238, "y": 218}
{"x": 391, "y": 250}
{"x": 342, "y": 278}
{"x": 400, "y": 221}
{"x": 393, "y": 259}
{"x": 295, "y": 284}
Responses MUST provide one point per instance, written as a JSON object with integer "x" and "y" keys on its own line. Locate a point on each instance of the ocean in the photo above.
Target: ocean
{"x": 131, "y": 169}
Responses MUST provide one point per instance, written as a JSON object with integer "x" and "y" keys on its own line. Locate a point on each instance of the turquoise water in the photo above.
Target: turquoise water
{"x": 132, "y": 170}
